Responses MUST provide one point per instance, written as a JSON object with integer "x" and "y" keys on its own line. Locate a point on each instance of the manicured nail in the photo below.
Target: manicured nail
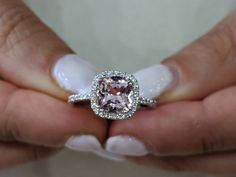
{"x": 74, "y": 74}
{"x": 153, "y": 81}
{"x": 110, "y": 156}
{"x": 84, "y": 143}
{"x": 126, "y": 145}
{"x": 89, "y": 143}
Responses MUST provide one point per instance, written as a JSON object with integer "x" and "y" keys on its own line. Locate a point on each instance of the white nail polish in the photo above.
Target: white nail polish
{"x": 153, "y": 81}
{"x": 126, "y": 145}
{"x": 74, "y": 74}
{"x": 84, "y": 143}
{"x": 89, "y": 143}
{"x": 110, "y": 156}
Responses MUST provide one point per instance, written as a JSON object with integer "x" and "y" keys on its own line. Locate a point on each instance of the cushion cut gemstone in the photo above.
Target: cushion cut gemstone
{"x": 114, "y": 94}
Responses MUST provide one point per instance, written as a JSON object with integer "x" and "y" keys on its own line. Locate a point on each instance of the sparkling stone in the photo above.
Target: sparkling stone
{"x": 114, "y": 94}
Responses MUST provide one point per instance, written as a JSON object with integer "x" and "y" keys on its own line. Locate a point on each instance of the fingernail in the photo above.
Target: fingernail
{"x": 153, "y": 81}
{"x": 126, "y": 145}
{"x": 110, "y": 156}
{"x": 74, "y": 74}
{"x": 89, "y": 143}
{"x": 84, "y": 143}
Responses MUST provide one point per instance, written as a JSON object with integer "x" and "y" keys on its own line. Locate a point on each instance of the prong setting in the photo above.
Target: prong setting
{"x": 114, "y": 95}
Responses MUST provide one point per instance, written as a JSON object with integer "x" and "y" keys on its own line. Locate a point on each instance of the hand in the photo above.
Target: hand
{"x": 35, "y": 120}
{"x": 194, "y": 127}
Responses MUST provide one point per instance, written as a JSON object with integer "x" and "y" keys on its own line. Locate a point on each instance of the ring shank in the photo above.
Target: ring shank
{"x": 76, "y": 98}
{"x": 143, "y": 102}
{"x": 146, "y": 102}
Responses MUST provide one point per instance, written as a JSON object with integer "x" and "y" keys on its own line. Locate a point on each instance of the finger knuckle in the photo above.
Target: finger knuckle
{"x": 17, "y": 24}
{"x": 223, "y": 39}
{"x": 9, "y": 128}
{"x": 210, "y": 140}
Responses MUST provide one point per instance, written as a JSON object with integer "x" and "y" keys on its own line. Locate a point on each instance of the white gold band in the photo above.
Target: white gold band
{"x": 114, "y": 95}
{"x": 143, "y": 102}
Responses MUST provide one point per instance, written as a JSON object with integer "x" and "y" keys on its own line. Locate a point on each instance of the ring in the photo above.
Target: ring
{"x": 114, "y": 95}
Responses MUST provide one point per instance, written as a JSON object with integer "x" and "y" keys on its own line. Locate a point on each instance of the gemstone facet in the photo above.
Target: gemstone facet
{"x": 115, "y": 95}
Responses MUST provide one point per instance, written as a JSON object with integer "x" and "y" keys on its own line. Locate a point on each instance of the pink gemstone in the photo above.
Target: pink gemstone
{"x": 114, "y": 94}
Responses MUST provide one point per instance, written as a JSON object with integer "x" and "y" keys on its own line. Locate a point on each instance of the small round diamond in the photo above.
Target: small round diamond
{"x": 114, "y": 95}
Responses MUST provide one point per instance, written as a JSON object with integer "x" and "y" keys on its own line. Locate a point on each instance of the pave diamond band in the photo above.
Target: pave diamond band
{"x": 143, "y": 102}
{"x": 76, "y": 98}
{"x": 146, "y": 102}
{"x": 114, "y": 95}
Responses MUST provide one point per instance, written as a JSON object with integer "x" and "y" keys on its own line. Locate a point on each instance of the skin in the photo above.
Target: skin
{"x": 35, "y": 120}
{"x": 193, "y": 129}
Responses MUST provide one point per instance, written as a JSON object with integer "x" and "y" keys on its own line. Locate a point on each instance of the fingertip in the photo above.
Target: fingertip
{"x": 154, "y": 80}
{"x": 126, "y": 145}
{"x": 73, "y": 73}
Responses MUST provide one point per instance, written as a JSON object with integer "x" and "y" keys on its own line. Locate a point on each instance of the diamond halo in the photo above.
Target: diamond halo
{"x": 114, "y": 95}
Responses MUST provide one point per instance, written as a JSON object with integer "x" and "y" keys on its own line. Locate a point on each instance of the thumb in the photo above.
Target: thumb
{"x": 203, "y": 67}
{"x": 34, "y": 61}
{"x": 29, "y": 50}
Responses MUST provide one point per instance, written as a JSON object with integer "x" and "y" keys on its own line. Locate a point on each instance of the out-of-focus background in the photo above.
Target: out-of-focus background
{"x": 126, "y": 35}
